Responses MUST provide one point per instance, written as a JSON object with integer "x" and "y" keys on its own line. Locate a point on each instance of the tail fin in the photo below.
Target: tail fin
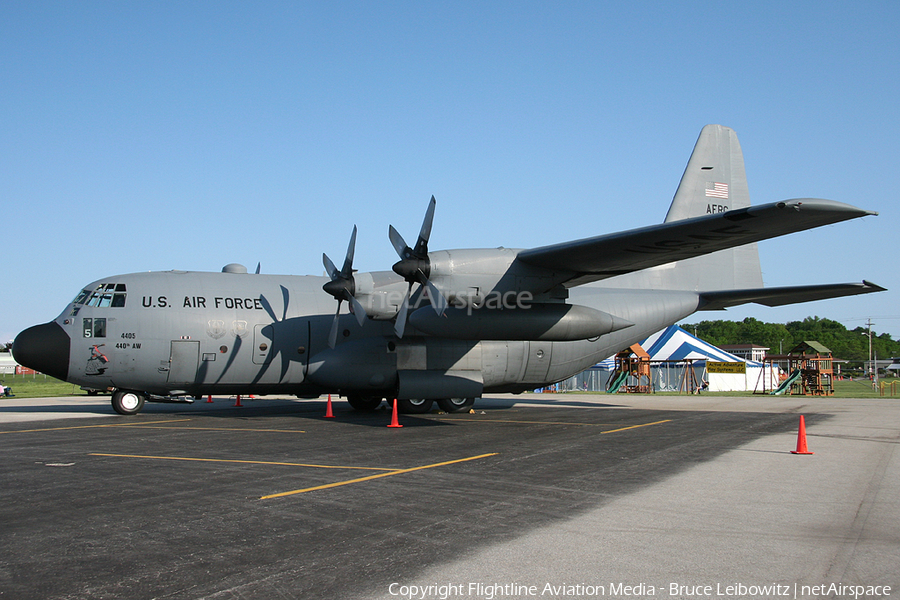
{"x": 714, "y": 181}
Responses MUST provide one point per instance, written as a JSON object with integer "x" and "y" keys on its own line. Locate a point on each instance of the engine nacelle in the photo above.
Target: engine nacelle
{"x": 545, "y": 322}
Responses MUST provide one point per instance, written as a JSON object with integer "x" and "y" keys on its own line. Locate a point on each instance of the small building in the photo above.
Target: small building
{"x": 748, "y": 352}
{"x": 7, "y": 363}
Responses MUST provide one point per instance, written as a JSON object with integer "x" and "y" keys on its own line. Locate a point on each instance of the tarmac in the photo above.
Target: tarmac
{"x": 537, "y": 495}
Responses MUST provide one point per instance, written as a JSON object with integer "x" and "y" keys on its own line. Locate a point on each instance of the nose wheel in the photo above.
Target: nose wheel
{"x": 127, "y": 403}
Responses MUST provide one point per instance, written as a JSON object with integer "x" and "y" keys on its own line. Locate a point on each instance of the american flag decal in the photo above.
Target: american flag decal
{"x": 717, "y": 190}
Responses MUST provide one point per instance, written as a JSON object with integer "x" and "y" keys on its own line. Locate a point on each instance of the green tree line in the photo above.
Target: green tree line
{"x": 846, "y": 344}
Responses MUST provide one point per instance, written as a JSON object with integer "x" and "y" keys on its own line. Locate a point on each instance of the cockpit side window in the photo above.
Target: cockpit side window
{"x": 94, "y": 328}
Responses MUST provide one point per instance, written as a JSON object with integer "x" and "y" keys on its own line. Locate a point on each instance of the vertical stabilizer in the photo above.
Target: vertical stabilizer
{"x": 714, "y": 179}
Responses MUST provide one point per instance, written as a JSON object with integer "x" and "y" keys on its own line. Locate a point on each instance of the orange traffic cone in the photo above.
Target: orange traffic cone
{"x": 394, "y": 421}
{"x": 237, "y": 402}
{"x": 801, "y": 439}
{"x": 328, "y": 413}
{"x": 209, "y": 399}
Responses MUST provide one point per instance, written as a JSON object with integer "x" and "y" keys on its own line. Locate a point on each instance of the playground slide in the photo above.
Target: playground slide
{"x": 786, "y": 384}
{"x": 617, "y": 382}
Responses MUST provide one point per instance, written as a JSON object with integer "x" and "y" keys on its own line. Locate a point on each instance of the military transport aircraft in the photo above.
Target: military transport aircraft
{"x": 448, "y": 325}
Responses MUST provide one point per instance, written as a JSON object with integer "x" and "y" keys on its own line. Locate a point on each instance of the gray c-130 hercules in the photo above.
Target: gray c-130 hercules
{"x": 442, "y": 325}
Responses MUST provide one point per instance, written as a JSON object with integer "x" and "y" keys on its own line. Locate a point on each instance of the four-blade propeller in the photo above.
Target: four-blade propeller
{"x": 343, "y": 287}
{"x": 415, "y": 267}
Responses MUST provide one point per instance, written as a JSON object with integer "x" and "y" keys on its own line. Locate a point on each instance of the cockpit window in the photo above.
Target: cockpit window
{"x": 103, "y": 296}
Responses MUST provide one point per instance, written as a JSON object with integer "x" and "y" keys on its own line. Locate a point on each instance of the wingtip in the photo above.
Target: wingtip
{"x": 873, "y": 286}
{"x": 823, "y": 204}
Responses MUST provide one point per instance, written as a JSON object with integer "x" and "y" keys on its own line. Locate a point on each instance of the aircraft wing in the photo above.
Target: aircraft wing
{"x": 604, "y": 256}
{"x": 779, "y": 296}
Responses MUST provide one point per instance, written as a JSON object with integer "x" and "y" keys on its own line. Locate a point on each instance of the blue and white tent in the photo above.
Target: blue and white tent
{"x": 674, "y": 343}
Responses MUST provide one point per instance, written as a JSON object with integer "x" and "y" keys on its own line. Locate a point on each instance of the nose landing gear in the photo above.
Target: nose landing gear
{"x": 127, "y": 403}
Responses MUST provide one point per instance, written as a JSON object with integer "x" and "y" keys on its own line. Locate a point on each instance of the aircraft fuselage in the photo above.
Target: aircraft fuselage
{"x": 190, "y": 334}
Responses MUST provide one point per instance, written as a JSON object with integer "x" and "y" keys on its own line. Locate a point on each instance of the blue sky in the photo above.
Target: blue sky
{"x": 156, "y": 136}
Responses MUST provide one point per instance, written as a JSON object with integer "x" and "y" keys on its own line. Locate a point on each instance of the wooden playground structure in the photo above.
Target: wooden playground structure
{"x": 810, "y": 370}
{"x": 632, "y": 374}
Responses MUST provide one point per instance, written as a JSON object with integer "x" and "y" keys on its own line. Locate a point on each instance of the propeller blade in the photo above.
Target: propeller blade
{"x": 347, "y": 270}
{"x": 438, "y": 302}
{"x": 400, "y": 323}
{"x": 258, "y": 266}
{"x": 415, "y": 267}
{"x": 342, "y": 287}
{"x": 332, "y": 336}
{"x": 357, "y": 309}
{"x": 421, "y": 248}
{"x": 329, "y": 267}
{"x": 397, "y": 241}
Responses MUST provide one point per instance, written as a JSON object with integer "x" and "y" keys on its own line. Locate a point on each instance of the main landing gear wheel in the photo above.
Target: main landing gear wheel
{"x": 455, "y": 405}
{"x": 127, "y": 403}
{"x": 414, "y": 406}
{"x": 364, "y": 403}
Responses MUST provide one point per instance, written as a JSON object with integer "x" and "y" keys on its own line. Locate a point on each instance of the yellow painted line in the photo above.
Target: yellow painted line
{"x": 555, "y": 423}
{"x": 636, "y": 426}
{"x": 245, "y": 462}
{"x": 155, "y": 425}
{"x": 371, "y": 477}
{"x": 94, "y": 426}
{"x": 524, "y": 422}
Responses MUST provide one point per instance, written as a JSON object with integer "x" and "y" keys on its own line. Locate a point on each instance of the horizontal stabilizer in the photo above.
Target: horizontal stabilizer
{"x": 604, "y": 256}
{"x": 779, "y": 296}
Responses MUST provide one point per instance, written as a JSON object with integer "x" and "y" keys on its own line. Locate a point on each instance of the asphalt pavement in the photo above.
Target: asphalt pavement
{"x": 548, "y": 495}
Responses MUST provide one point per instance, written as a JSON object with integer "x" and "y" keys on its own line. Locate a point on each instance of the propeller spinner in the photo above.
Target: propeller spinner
{"x": 343, "y": 287}
{"x": 415, "y": 267}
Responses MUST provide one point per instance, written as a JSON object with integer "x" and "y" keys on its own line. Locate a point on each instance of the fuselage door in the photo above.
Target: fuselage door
{"x": 183, "y": 361}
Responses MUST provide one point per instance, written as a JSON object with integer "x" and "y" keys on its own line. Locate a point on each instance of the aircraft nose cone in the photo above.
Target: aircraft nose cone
{"x": 44, "y": 348}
